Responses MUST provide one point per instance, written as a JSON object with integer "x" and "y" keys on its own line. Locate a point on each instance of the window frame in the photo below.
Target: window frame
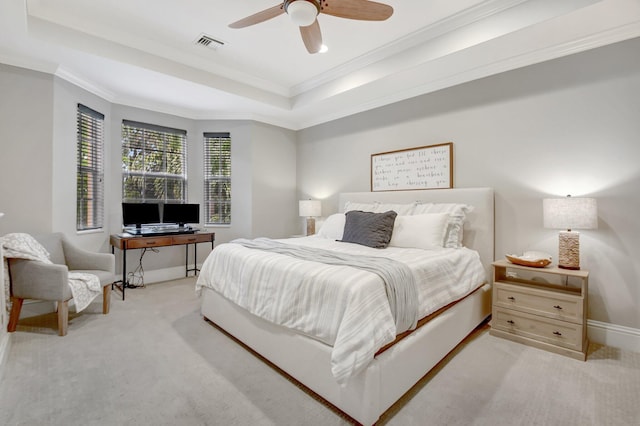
{"x": 151, "y": 134}
{"x": 217, "y": 203}
{"x": 89, "y": 140}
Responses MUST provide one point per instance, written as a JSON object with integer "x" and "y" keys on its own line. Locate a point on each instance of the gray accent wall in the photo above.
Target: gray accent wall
{"x": 26, "y": 149}
{"x": 568, "y": 126}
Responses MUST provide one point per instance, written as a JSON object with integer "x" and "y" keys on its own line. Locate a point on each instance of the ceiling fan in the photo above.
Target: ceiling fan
{"x": 303, "y": 13}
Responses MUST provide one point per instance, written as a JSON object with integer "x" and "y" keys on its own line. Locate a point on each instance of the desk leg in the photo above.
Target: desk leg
{"x": 113, "y": 251}
{"x": 186, "y": 260}
{"x": 195, "y": 260}
{"x": 124, "y": 270}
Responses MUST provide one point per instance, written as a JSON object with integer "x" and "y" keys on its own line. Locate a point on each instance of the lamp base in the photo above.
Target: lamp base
{"x": 311, "y": 226}
{"x": 569, "y": 250}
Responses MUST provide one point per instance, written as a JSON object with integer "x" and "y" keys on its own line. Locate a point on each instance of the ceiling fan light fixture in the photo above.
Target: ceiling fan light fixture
{"x": 302, "y": 12}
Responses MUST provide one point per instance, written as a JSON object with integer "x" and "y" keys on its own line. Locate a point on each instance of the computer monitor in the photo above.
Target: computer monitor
{"x": 181, "y": 214}
{"x": 139, "y": 214}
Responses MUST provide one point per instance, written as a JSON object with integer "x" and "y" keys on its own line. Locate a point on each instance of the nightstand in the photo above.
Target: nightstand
{"x": 541, "y": 307}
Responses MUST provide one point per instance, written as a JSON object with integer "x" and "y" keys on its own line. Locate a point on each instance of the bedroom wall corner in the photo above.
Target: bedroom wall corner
{"x": 67, "y": 96}
{"x": 241, "y": 175}
{"x": 275, "y": 204}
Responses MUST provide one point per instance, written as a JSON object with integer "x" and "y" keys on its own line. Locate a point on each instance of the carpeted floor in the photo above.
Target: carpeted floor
{"x": 154, "y": 361}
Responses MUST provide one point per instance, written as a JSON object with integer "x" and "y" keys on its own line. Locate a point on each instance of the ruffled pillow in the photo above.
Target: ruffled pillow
{"x": 424, "y": 231}
{"x": 455, "y": 225}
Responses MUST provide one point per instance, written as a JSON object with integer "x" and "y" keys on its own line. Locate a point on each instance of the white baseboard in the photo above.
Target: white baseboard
{"x": 165, "y": 274}
{"x": 617, "y": 336}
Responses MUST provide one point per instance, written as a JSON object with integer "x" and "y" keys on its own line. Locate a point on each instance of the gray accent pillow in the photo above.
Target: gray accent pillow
{"x": 369, "y": 229}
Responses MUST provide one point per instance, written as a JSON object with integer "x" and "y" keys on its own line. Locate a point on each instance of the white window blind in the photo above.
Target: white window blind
{"x": 90, "y": 171}
{"x": 217, "y": 178}
{"x": 154, "y": 163}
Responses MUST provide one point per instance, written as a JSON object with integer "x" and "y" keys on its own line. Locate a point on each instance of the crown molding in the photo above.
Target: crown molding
{"x": 439, "y": 28}
{"x": 582, "y": 44}
{"x": 85, "y": 84}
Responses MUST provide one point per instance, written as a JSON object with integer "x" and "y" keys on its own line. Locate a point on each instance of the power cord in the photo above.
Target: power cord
{"x": 135, "y": 279}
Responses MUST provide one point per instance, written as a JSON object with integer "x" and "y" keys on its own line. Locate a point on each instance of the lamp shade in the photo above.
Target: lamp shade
{"x": 310, "y": 208}
{"x": 302, "y": 12}
{"x": 570, "y": 213}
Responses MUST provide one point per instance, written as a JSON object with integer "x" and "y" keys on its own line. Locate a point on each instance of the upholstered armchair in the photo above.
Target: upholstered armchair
{"x": 32, "y": 279}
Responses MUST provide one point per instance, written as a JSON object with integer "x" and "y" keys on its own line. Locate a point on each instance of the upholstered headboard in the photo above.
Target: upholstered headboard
{"x": 478, "y": 228}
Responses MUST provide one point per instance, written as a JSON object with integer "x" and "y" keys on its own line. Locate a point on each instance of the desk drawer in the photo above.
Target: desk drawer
{"x": 539, "y": 302}
{"x": 192, "y": 238}
{"x": 559, "y": 333}
{"x": 143, "y": 242}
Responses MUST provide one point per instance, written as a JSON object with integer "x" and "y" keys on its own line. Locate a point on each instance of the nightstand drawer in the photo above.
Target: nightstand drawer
{"x": 546, "y": 330}
{"x": 537, "y": 301}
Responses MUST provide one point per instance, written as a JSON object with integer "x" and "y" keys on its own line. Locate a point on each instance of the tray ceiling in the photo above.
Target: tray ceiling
{"x": 145, "y": 53}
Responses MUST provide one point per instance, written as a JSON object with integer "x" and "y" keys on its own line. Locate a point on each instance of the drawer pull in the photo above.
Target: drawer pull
{"x": 558, "y": 307}
{"x": 510, "y": 322}
{"x": 557, "y": 333}
{"x": 513, "y": 299}
{"x": 150, "y": 243}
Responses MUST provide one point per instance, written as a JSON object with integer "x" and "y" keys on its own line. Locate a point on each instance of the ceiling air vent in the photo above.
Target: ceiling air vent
{"x": 208, "y": 41}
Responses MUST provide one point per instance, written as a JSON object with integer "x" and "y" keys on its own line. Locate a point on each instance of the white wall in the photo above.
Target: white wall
{"x": 568, "y": 126}
{"x": 274, "y": 182}
{"x": 64, "y": 163}
{"x": 26, "y": 146}
{"x": 38, "y": 168}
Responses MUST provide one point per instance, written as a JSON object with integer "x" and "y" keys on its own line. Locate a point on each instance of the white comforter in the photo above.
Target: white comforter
{"x": 341, "y": 306}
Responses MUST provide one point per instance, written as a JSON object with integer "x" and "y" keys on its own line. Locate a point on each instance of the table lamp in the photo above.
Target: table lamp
{"x": 569, "y": 213}
{"x": 310, "y": 209}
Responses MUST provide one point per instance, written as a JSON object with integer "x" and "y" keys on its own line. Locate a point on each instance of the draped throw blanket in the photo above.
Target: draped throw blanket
{"x": 84, "y": 287}
{"x": 399, "y": 282}
{"x": 343, "y": 307}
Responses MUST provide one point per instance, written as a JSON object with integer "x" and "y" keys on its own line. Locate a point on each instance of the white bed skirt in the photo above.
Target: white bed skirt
{"x": 369, "y": 394}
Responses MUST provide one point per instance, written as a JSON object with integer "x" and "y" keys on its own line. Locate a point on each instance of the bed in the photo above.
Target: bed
{"x": 373, "y": 385}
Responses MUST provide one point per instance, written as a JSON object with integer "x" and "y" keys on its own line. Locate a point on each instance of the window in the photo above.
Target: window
{"x": 217, "y": 179}
{"x": 154, "y": 163}
{"x": 90, "y": 172}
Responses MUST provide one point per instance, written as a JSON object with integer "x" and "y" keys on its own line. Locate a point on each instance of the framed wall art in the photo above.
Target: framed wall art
{"x": 425, "y": 167}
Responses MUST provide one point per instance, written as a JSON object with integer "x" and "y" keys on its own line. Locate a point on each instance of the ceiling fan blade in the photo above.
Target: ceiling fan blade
{"x": 256, "y": 18}
{"x": 312, "y": 37}
{"x": 362, "y": 10}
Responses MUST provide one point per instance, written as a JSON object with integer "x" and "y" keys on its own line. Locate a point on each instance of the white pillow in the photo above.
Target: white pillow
{"x": 333, "y": 227}
{"x": 365, "y": 207}
{"x": 455, "y": 227}
{"x": 377, "y": 207}
{"x": 424, "y": 231}
{"x": 401, "y": 209}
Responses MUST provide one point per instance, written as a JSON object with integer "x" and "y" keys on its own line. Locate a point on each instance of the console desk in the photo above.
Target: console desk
{"x": 126, "y": 242}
